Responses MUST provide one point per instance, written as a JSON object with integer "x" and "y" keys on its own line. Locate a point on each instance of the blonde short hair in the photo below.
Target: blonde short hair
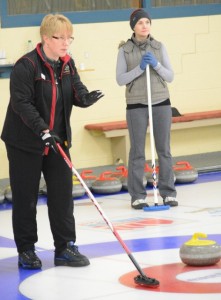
{"x": 52, "y": 24}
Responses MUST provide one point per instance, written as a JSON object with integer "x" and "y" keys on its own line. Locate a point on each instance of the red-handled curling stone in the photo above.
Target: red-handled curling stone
{"x": 43, "y": 189}
{"x": 88, "y": 178}
{"x": 196, "y": 252}
{"x": 149, "y": 174}
{"x": 184, "y": 172}
{"x": 124, "y": 181}
{"x": 121, "y": 173}
{"x": 2, "y": 195}
{"x": 105, "y": 184}
{"x": 77, "y": 189}
{"x": 8, "y": 193}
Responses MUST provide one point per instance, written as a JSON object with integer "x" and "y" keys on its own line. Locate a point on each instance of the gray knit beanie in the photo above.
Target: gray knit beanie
{"x": 137, "y": 15}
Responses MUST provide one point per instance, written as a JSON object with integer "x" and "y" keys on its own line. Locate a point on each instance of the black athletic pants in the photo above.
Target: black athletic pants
{"x": 25, "y": 172}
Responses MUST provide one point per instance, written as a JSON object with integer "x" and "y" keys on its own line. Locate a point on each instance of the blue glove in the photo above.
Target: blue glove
{"x": 144, "y": 62}
{"x": 148, "y": 59}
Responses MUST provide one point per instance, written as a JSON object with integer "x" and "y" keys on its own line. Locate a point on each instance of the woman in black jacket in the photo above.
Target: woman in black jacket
{"x": 44, "y": 85}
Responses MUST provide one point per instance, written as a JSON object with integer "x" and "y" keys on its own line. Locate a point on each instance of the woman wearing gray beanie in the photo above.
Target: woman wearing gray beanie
{"x": 133, "y": 56}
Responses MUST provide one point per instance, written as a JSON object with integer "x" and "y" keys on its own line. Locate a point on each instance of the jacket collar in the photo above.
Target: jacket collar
{"x": 65, "y": 59}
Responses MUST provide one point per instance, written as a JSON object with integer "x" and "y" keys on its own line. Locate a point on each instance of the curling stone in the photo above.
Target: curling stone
{"x": 125, "y": 183}
{"x": 8, "y": 194}
{"x": 88, "y": 179}
{"x": 121, "y": 174}
{"x": 196, "y": 252}
{"x": 124, "y": 180}
{"x": 2, "y": 195}
{"x": 184, "y": 172}
{"x": 105, "y": 184}
{"x": 43, "y": 189}
{"x": 149, "y": 175}
{"x": 77, "y": 188}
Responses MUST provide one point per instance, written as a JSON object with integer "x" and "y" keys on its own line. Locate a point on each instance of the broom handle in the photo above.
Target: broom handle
{"x": 152, "y": 143}
{"x": 93, "y": 199}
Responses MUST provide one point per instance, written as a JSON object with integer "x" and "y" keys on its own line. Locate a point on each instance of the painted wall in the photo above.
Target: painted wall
{"x": 194, "y": 47}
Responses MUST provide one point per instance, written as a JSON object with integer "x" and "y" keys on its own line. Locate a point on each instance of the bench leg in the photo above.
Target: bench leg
{"x": 120, "y": 147}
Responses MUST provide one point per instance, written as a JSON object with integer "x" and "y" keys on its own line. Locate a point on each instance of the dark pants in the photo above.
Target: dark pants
{"x": 25, "y": 172}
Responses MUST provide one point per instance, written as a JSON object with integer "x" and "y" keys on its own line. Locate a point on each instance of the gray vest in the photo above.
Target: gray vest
{"x": 136, "y": 91}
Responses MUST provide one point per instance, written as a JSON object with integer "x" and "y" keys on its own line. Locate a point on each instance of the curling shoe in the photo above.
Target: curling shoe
{"x": 139, "y": 203}
{"x": 29, "y": 260}
{"x": 171, "y": 201}
{"x": 71, "y": 257}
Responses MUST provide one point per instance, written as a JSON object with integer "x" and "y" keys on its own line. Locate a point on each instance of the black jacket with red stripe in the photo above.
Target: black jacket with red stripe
{"x": 33, "y": 96}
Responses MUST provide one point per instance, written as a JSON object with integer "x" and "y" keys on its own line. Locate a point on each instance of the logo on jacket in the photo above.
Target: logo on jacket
{"x": 66, "y": 70}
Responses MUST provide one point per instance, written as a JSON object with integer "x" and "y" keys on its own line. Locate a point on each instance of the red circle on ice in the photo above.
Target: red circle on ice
{"x": 191, "y": 283}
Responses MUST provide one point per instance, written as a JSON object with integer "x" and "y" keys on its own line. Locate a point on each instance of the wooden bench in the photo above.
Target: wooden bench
{"x": 118, "y": 133}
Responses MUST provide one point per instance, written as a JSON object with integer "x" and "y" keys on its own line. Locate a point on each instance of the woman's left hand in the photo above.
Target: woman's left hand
{"x": 151, "y": 59}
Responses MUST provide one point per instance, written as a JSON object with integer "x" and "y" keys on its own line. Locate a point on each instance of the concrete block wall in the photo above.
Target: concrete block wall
{"x": 193, "y": 45}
